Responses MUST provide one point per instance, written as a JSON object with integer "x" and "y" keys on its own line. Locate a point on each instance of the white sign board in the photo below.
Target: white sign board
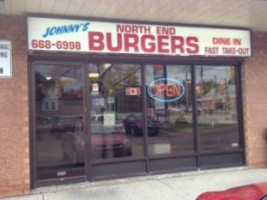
{"x": 86, "y": 36}
{"x": 109, "y": 119}
{"x": 5, "y": 59}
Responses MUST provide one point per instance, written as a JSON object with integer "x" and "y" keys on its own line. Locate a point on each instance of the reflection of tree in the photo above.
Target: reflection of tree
{"x": 216, "y": 93}
{"x": 39, "y": 80}
{"x": 114, "y": 83}
{"x": 118, "y": 78}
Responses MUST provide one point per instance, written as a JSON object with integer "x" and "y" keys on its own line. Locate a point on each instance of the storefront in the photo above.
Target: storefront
{"x": 92, "y": 99}
{"x": 117, "y": 99}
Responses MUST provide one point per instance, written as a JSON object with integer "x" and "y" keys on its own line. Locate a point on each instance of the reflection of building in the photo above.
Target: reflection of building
{"x": 50, "y": 102}
{"x": 220, "y": 99}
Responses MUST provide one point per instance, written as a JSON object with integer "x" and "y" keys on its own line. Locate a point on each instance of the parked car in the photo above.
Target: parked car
{"x": 247, "y": 192}
{"x": 134, "y": 125}
{"x": 104, "y": 140}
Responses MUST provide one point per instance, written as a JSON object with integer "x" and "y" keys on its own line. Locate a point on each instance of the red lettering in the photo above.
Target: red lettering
{"x": 179, "y": 45}
{"x": 134, "y": 43}
{"x": 96, "y": 41}
{"x": 169, "y": 91}
{"x": 224, "y": 41}
{"x": 165, "y": 30}
{"x": 160, "y": 89}
{"x": 176, "y": 90}
{"x": 118, "y": 47}
{"x": 147, "y": 45}
{"x": 131, "y": 41}
{"x": 133, "y": 28}
{"x": 120, "y": 28}
{"x": 163, "y": 44}
{"x": 192, "y": 43}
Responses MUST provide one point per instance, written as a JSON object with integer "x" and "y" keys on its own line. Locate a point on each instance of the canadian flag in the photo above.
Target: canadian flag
{"x": 133, "y": 91}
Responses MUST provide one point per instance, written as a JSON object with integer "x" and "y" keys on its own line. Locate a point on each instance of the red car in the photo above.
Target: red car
{"x": 247, "y": 192}
{"x": 104, "y": 140}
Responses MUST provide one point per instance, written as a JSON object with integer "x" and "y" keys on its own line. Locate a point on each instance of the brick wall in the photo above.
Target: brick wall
{"x": 255, "y": 101}
{"x": 14, "y": 113}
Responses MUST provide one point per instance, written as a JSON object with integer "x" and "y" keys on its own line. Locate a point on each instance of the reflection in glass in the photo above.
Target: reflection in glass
{"x": 59, "y": 134}
{"x": 115, "y": 97}
{"x": 216, "y": 107}
{"x": 169, "y": 109}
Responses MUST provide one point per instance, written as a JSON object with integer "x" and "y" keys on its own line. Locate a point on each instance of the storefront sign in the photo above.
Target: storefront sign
{"x": 5, "y": 59}
{"x": 166, "y": 90}
{"x": 122, "y": 38}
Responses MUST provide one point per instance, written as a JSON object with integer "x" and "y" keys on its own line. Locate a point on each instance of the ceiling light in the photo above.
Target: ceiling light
{"x": 93, "y": 75}
{"x": 48, "y": 78}
{"x": 107, "y": 65}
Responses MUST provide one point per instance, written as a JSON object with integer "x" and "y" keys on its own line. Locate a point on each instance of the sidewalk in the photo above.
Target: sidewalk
{"x": 176, "y": 186}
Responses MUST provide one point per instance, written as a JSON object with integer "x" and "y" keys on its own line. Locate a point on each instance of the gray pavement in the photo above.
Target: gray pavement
{"x": 175, "y": 186}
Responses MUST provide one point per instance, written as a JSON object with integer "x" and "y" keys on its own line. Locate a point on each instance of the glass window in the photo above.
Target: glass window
{"x": 216, "y": 107}
{"x": 59, "y": 110}
{"x": 169, "y": 109}
{"x": 116, "y": 110}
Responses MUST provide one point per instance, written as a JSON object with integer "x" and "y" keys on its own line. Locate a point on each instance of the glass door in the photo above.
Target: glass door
{"x": 116, "y": 120}
{"x": 116, "y": 111}
{"x": 59, "y": 107}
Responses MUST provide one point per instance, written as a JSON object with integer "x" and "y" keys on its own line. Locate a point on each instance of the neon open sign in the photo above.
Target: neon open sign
{"x": 166, "y": 90}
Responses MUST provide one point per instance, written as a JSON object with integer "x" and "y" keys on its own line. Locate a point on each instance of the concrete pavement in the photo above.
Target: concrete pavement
{"x": 175, "y": 186}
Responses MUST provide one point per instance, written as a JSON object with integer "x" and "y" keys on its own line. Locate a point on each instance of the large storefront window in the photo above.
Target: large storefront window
{"x": 104, "y": 119}
{"x": 59, "y": 111}
{"x": 169, "y": 109}
{"x": 116, "y": 110}
{"x": 217, "y": 108}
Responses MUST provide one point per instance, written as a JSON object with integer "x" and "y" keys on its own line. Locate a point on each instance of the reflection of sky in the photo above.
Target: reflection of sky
{"x": 181, "y": 72}
{"x": 44, "y": 70}
{"x": 215, "y": 73}
{"x": 123, "y": 75}
{"x": 58, "y": 71}
{"x": 70, "y": 76}
{"x": 177, "y": 72}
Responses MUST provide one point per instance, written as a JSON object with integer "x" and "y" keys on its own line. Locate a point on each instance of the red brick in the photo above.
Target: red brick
{"x": 14, "y": 115}
{"x": 255, "y": 101}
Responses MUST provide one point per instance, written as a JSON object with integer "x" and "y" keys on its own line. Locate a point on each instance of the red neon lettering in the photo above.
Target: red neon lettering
{"x": 160, "y": 89}
{"x": 170, "y": 90}
{"x": 176, "y": 90}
